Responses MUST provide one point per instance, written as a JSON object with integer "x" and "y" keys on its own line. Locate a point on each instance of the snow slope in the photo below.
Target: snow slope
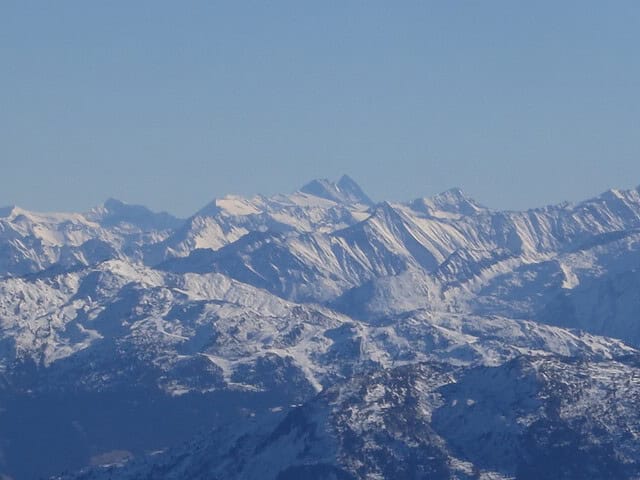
{"x": 529, "y": 418}
{"x": 252, "y": 305}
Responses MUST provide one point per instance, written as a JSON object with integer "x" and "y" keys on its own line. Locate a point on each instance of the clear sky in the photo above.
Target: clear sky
{"x": 171, "y": 104}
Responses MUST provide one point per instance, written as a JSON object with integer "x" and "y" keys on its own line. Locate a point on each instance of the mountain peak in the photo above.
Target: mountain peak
{"x": 114, "y": 211}
{"x": 6, "y": 212}
{"x": 110, "y": 207}
{"x": 386, "y": 212}
{"x": 345, "y": 190}
{"x": 11, "y": 212}
{"x": 454, "y": 200}
{"x": 348, "y": 185}
{"x": 114, "y": 203}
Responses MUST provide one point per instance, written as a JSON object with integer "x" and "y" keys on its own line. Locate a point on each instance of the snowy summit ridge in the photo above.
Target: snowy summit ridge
{"x": 345, "y": 190}
{"x": 320, "y": 334}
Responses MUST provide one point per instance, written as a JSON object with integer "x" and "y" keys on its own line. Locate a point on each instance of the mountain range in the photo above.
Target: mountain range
{"x": 321, "y": 334}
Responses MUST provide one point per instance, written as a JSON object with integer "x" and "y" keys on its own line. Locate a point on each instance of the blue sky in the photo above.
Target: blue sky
{"x": 170, "y": 104}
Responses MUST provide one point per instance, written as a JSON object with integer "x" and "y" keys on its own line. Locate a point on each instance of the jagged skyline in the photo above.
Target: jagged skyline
{"x": 254, "y": 305}
{"x": 344, "y": 189}
{"x": 156, "y": 104}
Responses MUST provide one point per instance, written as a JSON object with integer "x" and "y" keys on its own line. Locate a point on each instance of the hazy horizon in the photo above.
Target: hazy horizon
{"x": 292, "y": 190}
{"x": 152, "y": 103}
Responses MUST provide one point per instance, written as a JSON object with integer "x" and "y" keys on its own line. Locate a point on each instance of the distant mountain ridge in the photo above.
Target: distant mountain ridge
{"x": 345, "y": 190}
{"x": 252, "y": 305}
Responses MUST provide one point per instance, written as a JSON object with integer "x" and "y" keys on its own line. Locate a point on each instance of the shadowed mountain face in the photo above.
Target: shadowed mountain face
{"x": 127, "y": 332}
{"x": 529, "y": 418}
{"x": 345, "y": 190}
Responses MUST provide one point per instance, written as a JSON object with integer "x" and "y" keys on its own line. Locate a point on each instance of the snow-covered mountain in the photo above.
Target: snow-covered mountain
{"x": 529, "y": 418}
{"x": 127, "y": 331}
{"x": 31, "y": 242}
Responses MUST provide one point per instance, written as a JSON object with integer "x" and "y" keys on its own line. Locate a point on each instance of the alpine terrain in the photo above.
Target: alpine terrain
{"x": 322, "y": 335}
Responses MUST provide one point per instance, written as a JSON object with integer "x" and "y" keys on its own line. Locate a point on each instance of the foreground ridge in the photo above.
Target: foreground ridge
{"x": 530, "y": 418}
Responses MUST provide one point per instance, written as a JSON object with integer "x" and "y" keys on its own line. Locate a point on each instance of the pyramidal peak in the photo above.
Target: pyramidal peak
{"x": 385, "y": 208}
{"x": 345, "y": 190}
{"x": 348, "y": 185}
